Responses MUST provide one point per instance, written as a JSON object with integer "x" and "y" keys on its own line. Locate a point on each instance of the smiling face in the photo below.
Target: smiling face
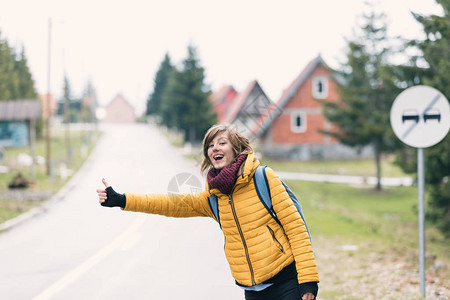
{"x": 220, "y": 151}
{"x": 226, "y": 144}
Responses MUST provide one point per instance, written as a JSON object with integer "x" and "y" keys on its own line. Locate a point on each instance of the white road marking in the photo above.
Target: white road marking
{"x": 117, "y": 243}
{"x": 133, "y": 239}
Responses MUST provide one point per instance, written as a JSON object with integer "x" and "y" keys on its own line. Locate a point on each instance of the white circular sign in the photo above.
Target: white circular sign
{"x": 420, "y": 116}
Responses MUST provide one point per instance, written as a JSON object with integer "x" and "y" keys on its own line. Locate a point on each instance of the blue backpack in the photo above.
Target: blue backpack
{"x": 263, "y": 191}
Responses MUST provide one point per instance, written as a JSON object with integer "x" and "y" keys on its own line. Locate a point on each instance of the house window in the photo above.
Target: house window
{"x": 298, "y": 122}
{"x": 320, "y": 87}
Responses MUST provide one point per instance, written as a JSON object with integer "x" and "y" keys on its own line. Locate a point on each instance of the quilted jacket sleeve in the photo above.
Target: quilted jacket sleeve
{"x": 170, "y": 205}
{"x": 295, "y": 229}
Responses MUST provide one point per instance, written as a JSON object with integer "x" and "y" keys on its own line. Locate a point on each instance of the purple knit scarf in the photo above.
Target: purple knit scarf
{"x": 225, "y": 178}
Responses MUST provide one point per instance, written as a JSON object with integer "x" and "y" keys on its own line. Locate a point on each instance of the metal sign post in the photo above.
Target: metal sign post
{"x": 420, "y": 117}
{"x": 421, "y": 217}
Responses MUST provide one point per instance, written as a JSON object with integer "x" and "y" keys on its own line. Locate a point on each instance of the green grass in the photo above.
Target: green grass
{"x": 386, "y": 220}
{"x": 363, "y": 167}
{"x": 11, "y": 209}
{"x": 42, "y": 183}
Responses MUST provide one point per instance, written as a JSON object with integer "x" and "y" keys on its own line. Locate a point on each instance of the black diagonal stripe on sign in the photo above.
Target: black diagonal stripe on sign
{"x": 408, "y": 131}
{"x": 432, "y": 103}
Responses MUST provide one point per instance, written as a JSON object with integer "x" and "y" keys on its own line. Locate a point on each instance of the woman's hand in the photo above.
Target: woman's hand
{"x": 110, "y": 198}
{"x": 102, "y": 193}
{"x": 308, "y": 296}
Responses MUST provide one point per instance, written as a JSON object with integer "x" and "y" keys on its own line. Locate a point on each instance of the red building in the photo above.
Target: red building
{"x": 292, "y": 127}
{"x": 247, "y": 108}
{"x": 119, "y": 110}
{"x": 243, "y": 110}
{"x": 48, "y": 105}
{"x": 221, "y": 101}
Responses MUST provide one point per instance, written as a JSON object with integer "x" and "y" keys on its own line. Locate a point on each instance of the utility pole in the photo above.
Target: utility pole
{"x": 67, "y": 120}
{"x": 47, "y": 121}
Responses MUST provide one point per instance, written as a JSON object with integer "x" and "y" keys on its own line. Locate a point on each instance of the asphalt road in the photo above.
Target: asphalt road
{"x": 80, "y": 250}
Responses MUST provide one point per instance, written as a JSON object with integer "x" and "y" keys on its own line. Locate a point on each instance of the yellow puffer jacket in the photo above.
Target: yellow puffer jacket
{"x": 256, "y": 246}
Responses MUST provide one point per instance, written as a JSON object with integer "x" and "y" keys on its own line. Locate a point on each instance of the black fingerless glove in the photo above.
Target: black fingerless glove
{"x": 309, "y": 287}
{"x": 114, "y": 199}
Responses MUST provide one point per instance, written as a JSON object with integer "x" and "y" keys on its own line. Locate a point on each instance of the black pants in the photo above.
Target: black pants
{"x": 287, "y": 290}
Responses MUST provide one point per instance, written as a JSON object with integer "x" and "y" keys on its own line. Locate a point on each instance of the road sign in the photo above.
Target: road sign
{"x": 420, "y": 116}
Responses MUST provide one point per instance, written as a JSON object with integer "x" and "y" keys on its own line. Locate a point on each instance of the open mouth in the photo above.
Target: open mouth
{"x": 218, "y": 157}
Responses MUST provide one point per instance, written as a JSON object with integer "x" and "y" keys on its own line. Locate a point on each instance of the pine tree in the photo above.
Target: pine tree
{"x": 26, "y": 83}
{"x": 16, "y": 81}
{"x": 89, "y": 104}
{"x": 9, "y": 81}
{"x": 66, "y": 100}
{"x": 160, "y": 83}
{"x": 171, "y": 107}
{"x": 367, "y": 91}
{"x": 185, "y": 102}
{"x": 436, "y": 52}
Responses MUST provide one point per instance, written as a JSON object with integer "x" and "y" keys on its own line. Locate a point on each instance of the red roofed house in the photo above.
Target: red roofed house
{"x": 221, "y": 101}
{"x": 247, "y": 108}
{"x": 48, "y": 105}
{"x": 119, "y": 110}
{"x": 291, "y": 128}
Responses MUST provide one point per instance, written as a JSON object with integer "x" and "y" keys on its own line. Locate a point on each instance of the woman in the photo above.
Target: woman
{"x": 269, "y": 260}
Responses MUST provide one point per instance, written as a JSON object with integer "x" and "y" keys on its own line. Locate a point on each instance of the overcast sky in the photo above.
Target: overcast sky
{"x": 118, "y": 45}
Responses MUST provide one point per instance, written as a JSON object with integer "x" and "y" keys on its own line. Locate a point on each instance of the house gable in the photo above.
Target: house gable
{"x": 221, "y": 101}
{"x": 294, "y": 127}
{"x": 300, "y": 90}
{"x": 303, "y": 97}
{"x": 120, "y": 110}
{"x": 248, "y": 107}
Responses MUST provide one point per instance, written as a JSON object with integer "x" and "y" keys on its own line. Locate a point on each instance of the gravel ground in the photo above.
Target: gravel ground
{"x": 357, "y": 272}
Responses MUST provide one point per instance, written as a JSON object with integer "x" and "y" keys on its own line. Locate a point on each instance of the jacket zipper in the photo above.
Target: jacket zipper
{"x": 247, "y": 255}
{"x": 272, "y": 233}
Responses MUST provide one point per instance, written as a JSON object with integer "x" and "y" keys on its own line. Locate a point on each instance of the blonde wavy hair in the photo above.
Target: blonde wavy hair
{"x": 240, "y": 144}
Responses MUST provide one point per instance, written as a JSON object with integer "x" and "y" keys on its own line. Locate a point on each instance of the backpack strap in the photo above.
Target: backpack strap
{"x": 297, "y": 205}
{"x": 214, "y": 205}
{"x": 263, "y": 190}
